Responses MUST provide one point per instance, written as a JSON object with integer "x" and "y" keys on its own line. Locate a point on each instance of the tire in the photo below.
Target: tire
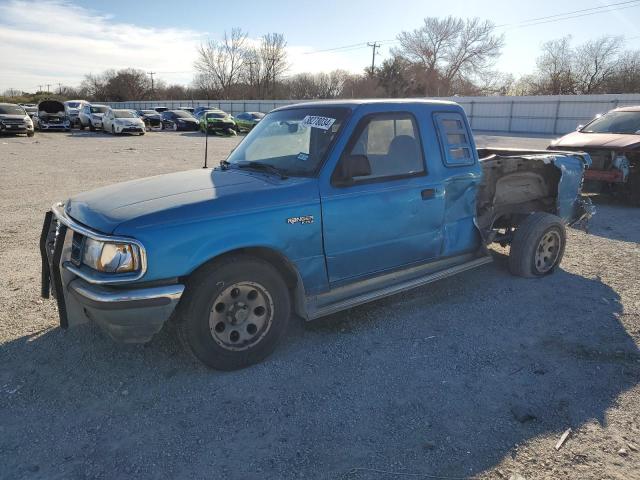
{"x": 174, "y": 127}
{"x": 205, "y": 314}
{"x": 30, "y": 134}
{"x": 538, "y": 245}
{"x": 91, "y": 127}
{"x": 80, "y": 126}
{"x": 632, "y": 188}
{"x": 113, "y": 130}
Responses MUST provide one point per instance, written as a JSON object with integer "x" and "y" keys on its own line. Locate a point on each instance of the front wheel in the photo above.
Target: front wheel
{"x": 234, "y": 312}
{"x": 538, "y": 245}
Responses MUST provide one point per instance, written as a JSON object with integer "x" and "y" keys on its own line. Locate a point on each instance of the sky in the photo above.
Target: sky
{"x": 59, "y": 41}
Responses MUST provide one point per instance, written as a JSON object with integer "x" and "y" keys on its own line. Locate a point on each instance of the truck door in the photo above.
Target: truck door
{"x": 381, "y": 209}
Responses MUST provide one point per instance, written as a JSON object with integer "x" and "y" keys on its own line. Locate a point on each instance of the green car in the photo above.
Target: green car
{"x": 217, "y": 121}
{"x": 247, "y": 120}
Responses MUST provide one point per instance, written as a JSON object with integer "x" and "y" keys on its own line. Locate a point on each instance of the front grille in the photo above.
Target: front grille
{"x": 13, "y": 121}
{"x": 77, "y": 244}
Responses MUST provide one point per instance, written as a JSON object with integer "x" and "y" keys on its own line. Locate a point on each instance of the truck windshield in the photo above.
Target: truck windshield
{"x": 293, "y": 141}
{"x": 615, "y": 122}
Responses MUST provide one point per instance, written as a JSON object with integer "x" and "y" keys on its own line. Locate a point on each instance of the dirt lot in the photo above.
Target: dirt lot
{"x": 475, "y": 376}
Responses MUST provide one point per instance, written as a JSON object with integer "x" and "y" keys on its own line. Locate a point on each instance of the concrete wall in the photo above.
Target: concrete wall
{"x": 548, "y": 114}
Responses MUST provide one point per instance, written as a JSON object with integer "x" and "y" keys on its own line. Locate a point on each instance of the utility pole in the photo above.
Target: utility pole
{"x": 40, "y": 88}
{"x": 151, "y": 74}
{"x": 59, "y": 88}
{"x": 374, "y": 46}
{"x": 48, "y": 88}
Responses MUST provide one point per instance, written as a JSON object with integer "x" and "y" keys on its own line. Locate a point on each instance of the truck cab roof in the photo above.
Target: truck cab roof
{"x": 353, "y": 103}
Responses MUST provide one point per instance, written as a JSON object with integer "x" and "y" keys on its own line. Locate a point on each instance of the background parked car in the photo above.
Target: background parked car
{"x": 91, "y": 116}
{"x": 613, "y": 142}
{"x": 217, "y": 121}
{"x": 179, "y": 120}
{"x": 73, "y": 109}
{"x": 198, "y": 110}
{"x": 14, "y": 119}
{"x": 247, "y": 120}
{"x": 122, "y": 121}
{"x": 30, "y": 108}
{"x": 51, "y": 115}
{"x": 151, "y": 119}
{"x": 187, "y": 109}
{"x": 161, "y": 109}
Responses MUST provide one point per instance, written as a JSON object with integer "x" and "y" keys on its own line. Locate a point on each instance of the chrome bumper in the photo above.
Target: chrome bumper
{"x": 128, "y": 313}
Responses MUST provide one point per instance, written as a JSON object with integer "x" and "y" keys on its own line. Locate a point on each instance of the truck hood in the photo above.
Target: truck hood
{"x": 183, "y": 197}
{"x": 615, "y": 141}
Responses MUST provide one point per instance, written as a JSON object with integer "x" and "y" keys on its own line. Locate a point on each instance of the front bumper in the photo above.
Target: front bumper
{"x": 128, "y": 313}
{"x": 16, "y": 128}
{"x": 129, "y": 129}
{"x": 54, "y": 126}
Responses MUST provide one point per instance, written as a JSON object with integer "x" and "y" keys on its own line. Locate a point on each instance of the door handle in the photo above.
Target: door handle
{"x": 428, "y": 193}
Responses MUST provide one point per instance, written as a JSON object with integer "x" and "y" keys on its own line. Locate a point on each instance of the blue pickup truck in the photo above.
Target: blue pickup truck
{"x": 322, "y": 207}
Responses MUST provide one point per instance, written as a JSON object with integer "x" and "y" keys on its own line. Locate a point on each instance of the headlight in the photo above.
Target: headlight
{"x": 111, "y": 257}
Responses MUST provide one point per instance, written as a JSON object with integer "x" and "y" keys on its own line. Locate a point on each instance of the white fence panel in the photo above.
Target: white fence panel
{"x": 546, "y": 114}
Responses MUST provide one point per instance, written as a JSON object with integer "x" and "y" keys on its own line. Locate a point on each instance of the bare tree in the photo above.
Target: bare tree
{"x": 450, "y": 49}
{"x": 222, "y": 61}
{"x": 273, "y": 60}
{"x": 595, "y": 62}
{"x": 556, "y": 68}
{"x": 626, "y": 79}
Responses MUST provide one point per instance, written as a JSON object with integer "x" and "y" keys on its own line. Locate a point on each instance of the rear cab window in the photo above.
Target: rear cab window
{"x": 455, "y": 139}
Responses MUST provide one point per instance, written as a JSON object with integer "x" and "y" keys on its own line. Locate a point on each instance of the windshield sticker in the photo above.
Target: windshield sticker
{"x": 324, "y": 123}
{"x": 303, "y": 156}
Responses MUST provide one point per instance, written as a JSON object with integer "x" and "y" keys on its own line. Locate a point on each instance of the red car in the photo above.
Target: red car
{"x": 613, "y": 142}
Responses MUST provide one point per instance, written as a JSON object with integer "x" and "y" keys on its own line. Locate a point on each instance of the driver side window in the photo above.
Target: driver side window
{"x": 391, "y": 144}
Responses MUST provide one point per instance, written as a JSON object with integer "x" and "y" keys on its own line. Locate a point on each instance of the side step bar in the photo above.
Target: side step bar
{"x": 322, "y": 305}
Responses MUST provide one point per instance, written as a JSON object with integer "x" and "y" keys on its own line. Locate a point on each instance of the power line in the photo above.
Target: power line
{"x": 524, "y": 23}
{"x": 600, "y": 9}
{"x": 543, "y": 22}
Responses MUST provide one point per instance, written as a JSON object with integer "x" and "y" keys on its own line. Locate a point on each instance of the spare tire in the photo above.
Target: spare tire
{"x": 538, "y": 245}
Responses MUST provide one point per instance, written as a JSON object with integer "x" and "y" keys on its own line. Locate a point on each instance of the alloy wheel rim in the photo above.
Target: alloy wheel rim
{"x": 547, "y": 251}
{"x": 241, "y": 315}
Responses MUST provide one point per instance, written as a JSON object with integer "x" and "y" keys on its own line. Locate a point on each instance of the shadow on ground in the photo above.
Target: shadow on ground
{"x": 443, "y": 380}
{"x": 615, "y": 220}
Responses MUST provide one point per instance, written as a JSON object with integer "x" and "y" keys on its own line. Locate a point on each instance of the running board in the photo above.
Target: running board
{"x": 369, "y": 290}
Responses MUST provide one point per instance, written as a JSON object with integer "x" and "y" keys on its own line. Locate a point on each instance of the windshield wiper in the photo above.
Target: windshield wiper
{"x": 263, "y": 167}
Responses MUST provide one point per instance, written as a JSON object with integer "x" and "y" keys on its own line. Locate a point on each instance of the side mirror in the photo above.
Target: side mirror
{"x": 350, "y": 167}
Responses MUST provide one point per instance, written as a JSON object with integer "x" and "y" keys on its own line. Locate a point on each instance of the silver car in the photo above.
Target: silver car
{"x": 91, "y": 116}
{"x": 73, "y": 109}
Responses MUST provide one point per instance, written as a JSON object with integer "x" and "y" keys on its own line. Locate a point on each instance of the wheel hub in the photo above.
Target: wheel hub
{"x": 241, "y": 315}
{"x": 548, "y": 251}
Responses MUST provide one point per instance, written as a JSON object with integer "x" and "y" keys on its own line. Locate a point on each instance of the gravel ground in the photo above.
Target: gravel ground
{"x": 474, "y": 376}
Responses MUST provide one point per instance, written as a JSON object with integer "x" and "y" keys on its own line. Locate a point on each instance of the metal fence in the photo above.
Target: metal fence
{"x": 550, "y": 115}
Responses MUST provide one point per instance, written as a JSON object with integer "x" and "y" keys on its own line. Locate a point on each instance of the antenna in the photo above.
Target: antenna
{"x": 206, "y": 140}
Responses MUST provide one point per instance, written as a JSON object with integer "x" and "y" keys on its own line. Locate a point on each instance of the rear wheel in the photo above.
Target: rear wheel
{"x": 538, "y": 245}
{"x": 234, "y": 312}
{"x": 91, "y": 127}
